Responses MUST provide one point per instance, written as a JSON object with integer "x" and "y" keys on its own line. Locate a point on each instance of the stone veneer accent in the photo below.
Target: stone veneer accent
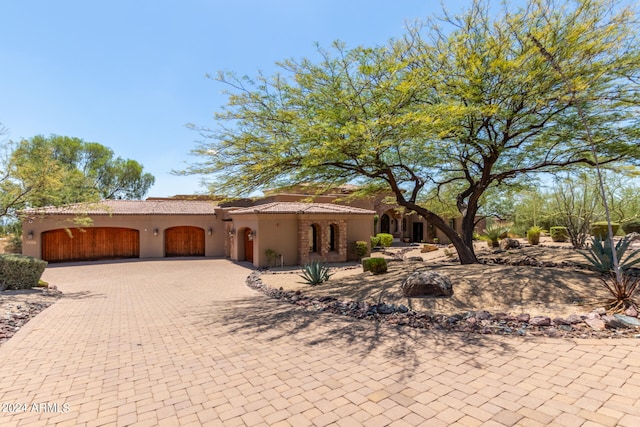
{"x": 323, "y": 253}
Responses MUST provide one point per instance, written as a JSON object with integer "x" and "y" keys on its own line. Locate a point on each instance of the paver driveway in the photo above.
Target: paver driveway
{"x": 185, "y": 342}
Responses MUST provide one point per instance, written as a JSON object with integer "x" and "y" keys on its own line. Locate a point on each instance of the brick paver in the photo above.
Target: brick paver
{"x": 185, "y": 342}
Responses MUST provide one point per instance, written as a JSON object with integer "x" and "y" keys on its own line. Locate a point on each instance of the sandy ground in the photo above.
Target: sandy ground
{"x": 495, "y": 288}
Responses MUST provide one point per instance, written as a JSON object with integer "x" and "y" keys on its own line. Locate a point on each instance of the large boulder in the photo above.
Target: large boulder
{"x": 426, "y": 283}
{"x": 508, "y": 243}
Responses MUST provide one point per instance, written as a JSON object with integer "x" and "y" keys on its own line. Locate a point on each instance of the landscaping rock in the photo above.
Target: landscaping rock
{"x": 523, "y": 318}
{"x": 413, "y": 259}
{"x": 597, "y": 324}
{"x": 628, "y": 320}
{"x": 612, "y": 322}
{"x": 426, "y": 283}
{"x": 509, "y": 243}
{"x": 631, "y": 311}
{"x": 540, "y": 321}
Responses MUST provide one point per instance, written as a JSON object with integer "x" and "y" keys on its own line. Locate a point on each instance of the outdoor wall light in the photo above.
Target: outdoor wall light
{"x": 30, "y": 235}
{"x": 232, "y": 232}
{"x": 210, "y": 231}
{"x": 155, "y": 231}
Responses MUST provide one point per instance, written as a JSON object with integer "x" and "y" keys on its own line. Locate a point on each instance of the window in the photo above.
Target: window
{"x": 313, "y": 238}
{"x": 333, "y": 233}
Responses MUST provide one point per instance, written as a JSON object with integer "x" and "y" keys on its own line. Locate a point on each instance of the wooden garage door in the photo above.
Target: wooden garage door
{"x": 90, "y": 244}
{"x": 184, "y": 241}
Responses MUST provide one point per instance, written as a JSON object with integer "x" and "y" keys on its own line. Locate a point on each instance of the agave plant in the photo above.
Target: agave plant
{"x": 600, "y": 255}
{"x": 315, "y": 273}
{"x": 623, "y": 287}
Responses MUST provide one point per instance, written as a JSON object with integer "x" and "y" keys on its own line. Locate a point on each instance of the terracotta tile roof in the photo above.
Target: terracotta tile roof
{"x": 130, "y": 207}
{"x": 300, "y": 208}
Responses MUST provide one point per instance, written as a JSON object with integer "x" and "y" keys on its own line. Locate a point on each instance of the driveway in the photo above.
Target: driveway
{"x": 185, "y": 342}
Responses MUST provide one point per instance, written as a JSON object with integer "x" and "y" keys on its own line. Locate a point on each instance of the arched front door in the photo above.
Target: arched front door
{"x": 248, "y": 245}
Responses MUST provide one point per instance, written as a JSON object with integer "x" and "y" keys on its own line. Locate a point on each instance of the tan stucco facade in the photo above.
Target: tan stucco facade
{"x": 151, "y": 230}
{"x": 288, "y": 237}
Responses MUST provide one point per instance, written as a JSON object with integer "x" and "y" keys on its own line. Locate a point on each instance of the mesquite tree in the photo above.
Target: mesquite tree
{"x": 458, "y": 107}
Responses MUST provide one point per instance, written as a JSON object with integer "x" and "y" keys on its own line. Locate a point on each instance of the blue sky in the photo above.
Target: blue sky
{"x": 129, "y": 74}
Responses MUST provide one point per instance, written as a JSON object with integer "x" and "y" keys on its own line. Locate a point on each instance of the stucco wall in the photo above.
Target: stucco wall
{"x": 151, "y": 246}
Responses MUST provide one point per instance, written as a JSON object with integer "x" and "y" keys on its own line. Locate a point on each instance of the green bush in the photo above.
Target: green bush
{"x": 632, "y": 226}
{"x": 385, "y": 239}
{"x": 533, "y": 235}
{"x": 20, "y": 272}
{"x": 375, "y": 241}
{"x": 600, "y": 229}
{"x": 315, "y": 273}
{"x": 374, "y": 265}
{"x": 559, "y": 234}
{"x": 360, "y": 249}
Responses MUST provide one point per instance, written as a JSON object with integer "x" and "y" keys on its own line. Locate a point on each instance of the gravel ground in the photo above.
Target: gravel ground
{"x": 17, "y": 307}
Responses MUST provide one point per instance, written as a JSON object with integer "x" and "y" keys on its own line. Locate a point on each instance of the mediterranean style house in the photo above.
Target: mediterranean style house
{"x": 281, "y": 228}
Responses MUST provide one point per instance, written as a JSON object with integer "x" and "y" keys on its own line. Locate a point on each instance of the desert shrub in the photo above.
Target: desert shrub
{"x": 315, "y": 273}
{"x": 272, "y": 257}
{"x": 533, "y": 235}
{"x": 375, "y": 241}
{"x": 385, "y": 239}
{"x": 360, "y": 249}
{"x": 428, "y": 248}
{"x": 632, "y": 226}
{"x": 600, "y": 229}
{"x": 600, "y": 255}
{"x": 493, "y": 233}
{"x": 20, "y": 272}
{"x": 559, "y": 234}
{"x": 12, "y": 244}
{"x": 374, "y": 265}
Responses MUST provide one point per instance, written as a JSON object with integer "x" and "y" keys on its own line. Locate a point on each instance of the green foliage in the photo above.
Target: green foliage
{"x": 386, "y": 239}
{"x": 453, "y": 109}
{"x": 600, "y": 229}
{"x": 374, "y": 265}
{"x": 493, "y": 233}
{"x": 360, "y": 249}
{"x": 533, "y": 235}
{"x": 315, "y": 273}
{"x": 559, "y": 234}
{"x": 375, "y": 241}
{"x": 632, "y": 226}
{"x": 600, "y": 255}
{"x": 19, "y": 271}
{"x": 61, "y": 170}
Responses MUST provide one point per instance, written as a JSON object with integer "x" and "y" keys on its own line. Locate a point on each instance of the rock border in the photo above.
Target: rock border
{"x": 595, "y": 324}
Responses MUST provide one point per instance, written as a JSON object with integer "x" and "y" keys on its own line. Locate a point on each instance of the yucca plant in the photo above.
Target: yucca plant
{"x": 315, "y": 273}
{"x": 600, "y": 254}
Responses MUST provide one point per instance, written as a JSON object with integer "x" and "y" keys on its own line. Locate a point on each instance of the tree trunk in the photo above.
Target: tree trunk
{"x": 465, "y": 251}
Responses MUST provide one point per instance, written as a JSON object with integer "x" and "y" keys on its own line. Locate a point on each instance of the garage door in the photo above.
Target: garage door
{"x": 90, "y": 244}
{"x": 184, "y": 241}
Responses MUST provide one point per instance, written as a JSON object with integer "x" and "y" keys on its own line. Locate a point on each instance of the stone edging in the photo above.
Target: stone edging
{"x": 592, "y": 325}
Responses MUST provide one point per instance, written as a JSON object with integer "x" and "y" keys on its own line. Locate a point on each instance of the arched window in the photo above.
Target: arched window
{"x": 313, "y": 238}
{"x": 333, "y": 236}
